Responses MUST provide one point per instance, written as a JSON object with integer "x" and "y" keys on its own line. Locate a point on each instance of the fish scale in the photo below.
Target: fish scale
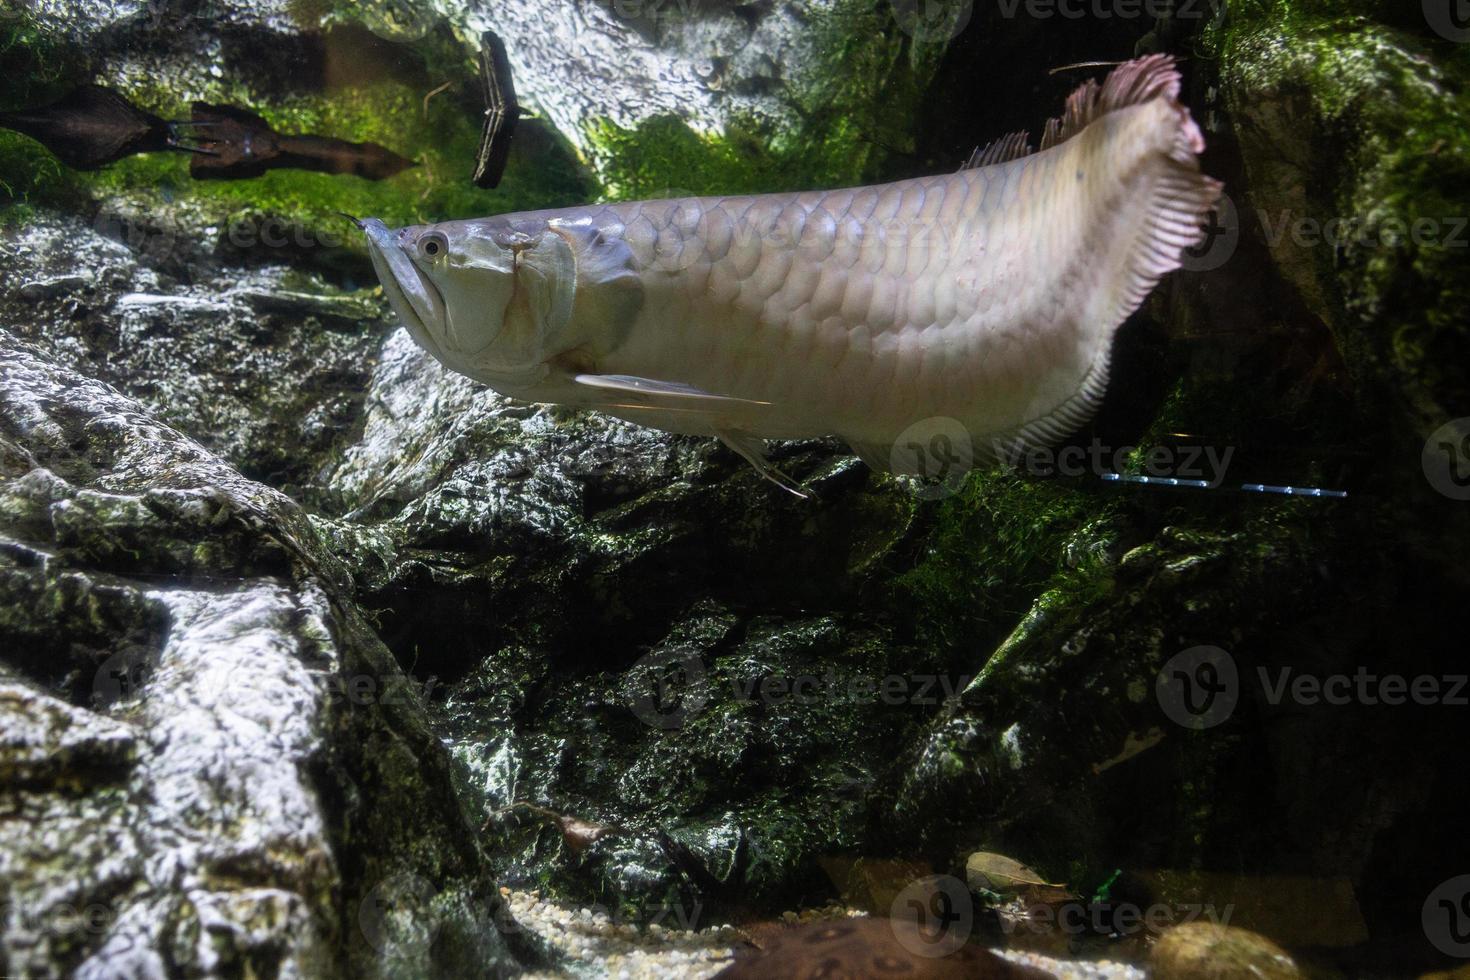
{"x": 986, "y": 298}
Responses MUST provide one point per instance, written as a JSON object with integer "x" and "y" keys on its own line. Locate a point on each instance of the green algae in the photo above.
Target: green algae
{"x": 855, "y": 109}
{"x": 1380, "y": 108}
{"x": 995, "y": 544}
{"x": 440, "y": 132}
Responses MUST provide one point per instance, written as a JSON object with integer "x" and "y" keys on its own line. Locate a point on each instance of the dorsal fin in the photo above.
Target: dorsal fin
{"x": 1010, "y": 147}
{"x": 1132, "y": 83}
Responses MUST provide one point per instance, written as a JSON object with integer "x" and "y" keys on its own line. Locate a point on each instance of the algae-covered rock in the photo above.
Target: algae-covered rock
{"x": 197, "y": 795}
{"x": 266, "y": 367}
{"x": 551, "y": 568}
{"x": 1206, "y": 951}
{"x": 1351, "y": 124}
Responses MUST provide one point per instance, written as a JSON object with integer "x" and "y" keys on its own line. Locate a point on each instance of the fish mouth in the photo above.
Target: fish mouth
{"x": 413, "y": 297}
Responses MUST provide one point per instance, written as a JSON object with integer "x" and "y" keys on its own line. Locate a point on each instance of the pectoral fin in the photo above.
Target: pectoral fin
{"x": 627, "y": 391}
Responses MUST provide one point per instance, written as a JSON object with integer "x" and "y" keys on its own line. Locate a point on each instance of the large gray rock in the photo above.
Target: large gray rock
{"x": 203, "y": 785}
{"x": 265, "y": 366}
{"x": 627, "y": 61}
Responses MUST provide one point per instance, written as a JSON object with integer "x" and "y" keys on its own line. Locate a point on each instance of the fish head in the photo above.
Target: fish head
{"x": 487, "y": 298}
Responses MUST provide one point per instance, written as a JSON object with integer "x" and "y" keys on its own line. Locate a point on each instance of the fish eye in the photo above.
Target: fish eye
{"x": 433, "y": 245}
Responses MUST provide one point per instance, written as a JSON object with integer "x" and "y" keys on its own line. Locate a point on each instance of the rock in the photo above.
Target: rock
{"x": 1350, "y": 119}
{"x": 715, "y": 68}
{"x": 174, "y": 630}
{"x": 267, "y": 367}
{"x": 865, "y": 947}
{"x": 1206, "y": 951}
{"x": 1459, "y": 973}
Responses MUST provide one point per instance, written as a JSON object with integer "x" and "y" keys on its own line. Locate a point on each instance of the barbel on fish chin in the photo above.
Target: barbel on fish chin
{"x": 985, "y": 299}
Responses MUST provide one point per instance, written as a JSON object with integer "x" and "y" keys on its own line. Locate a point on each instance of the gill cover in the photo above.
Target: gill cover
{"x": 508, "y": 293}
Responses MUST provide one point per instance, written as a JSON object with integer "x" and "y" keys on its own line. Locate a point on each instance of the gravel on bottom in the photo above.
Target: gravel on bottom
{"x": 596, "y": 946}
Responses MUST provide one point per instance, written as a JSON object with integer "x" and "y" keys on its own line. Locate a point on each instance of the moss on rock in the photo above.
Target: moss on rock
{"x": 1361, "y": 126}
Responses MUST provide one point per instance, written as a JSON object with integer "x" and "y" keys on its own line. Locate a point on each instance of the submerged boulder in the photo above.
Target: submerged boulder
{"x": 196, "y": 789}
{"x": 1351, "y": 124}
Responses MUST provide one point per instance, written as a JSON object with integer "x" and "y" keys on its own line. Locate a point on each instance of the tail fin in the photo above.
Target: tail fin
{"x": 1151, "y": 240}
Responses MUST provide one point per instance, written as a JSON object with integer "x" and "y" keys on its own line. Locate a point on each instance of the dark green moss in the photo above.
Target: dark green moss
{"x": 1378, "y": 106}
{"x": 996, "y": 544}
{"x": 440, "y": 133}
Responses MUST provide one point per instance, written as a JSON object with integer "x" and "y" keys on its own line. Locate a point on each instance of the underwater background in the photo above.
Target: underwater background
{"x": 318, "y": 659}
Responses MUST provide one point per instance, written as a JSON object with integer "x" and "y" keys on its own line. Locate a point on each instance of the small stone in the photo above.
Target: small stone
{"x": 1206, "y": 951}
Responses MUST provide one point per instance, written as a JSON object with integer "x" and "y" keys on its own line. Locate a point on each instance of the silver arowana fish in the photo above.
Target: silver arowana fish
{"x": 988, "y": 297}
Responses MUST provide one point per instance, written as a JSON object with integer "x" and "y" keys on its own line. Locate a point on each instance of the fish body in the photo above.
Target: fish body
{"x": 986, "y": 298}
{"x": 92, "y": 126}
{"x": 237, "y": 143}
